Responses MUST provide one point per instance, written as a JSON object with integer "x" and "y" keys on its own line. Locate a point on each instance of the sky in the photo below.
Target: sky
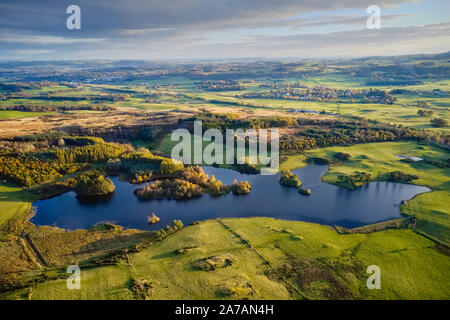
{"x": 221, "y": 29}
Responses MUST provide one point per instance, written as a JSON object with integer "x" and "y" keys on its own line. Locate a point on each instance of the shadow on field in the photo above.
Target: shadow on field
{"x": 111, "y": 243}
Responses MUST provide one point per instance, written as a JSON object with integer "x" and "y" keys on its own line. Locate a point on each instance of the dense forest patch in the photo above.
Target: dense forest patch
{"x": 93, "y": 183}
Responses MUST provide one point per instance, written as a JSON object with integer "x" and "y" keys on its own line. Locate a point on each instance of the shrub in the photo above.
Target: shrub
{"x": 425, "y": 113}
{"x": 169, "y": 166}
{"x": 214, "y": 262}
{"x": 143, "y": 288}
{"x": 241, "y": 290}
{"x": 342, "y": 156}
{"x": 216, "y": 187}
{"x": 153, "y": 219}
{"x": 320, "y": 161}
{"x": 398, "y": 176}
{"x": 354, "y": 179}
{"x": 106, "y": 227}
{"x": 162, "y": 233}
{"x": 185, "y": 249}
{"x": 439, "y": 122}
{"x": 61, "y": 142}
{"x": 242, "y": 187}
{"x": 304, "y": 191}
{"x": 195, "y": 174}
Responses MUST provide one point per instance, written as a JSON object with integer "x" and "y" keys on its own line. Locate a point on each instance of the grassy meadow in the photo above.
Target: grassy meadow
{"x": 270, "y": 259}
{"x": 19, "y": 114}
{"x": 380, "y": 158}
{"x": 431, "y": 208}
{"x": 181, "y": 93}
{"x": 15, "y": 203}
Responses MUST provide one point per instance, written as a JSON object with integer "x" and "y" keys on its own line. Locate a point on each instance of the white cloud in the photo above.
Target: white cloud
{"x": 214, "y": 28}
{"x": 44, "y": 39}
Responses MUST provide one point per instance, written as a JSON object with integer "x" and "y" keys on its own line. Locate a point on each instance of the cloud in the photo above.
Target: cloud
{"x": 145, "y": 31}
{"x": 137, "y": 29}
{"x": 44, "y": 40}
{"x": 363, "y": 42}
{"x": 106, "y": 15}
{"x": 26, "y": 52}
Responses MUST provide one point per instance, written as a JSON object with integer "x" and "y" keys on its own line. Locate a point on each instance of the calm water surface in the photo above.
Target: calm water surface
{"x": 328, "y": 204}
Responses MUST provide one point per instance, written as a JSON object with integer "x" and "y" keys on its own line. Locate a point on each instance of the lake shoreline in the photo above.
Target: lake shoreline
{"x": 267, "y": 199}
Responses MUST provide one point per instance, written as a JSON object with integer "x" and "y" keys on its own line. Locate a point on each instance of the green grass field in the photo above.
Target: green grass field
{"x": 324, "y": 263}
{"x": 433, "y": 213}
{"x": 394, "y": 114}
{"x": 5, "y": 114}
{"x": 404, "y": 111}
{"x": 106, "y": 283}
{"x": 431, "y": 209}
{"x": 380, "y": 158}
{"x": 293, "y": 162}
{"x": 15, "y": 203}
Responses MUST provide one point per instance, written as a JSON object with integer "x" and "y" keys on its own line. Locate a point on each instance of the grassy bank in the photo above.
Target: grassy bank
{"x": 15, "y": 203}
{"x": 380, "y": 158}
{"x": 433, "y": 213}
{"x": 377, "y": 159}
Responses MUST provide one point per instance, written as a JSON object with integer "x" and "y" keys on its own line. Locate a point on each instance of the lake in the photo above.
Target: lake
{"x": 328, "y": 204}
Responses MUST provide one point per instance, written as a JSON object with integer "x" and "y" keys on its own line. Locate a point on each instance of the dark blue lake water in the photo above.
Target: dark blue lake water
{"x": 328, "y": 204}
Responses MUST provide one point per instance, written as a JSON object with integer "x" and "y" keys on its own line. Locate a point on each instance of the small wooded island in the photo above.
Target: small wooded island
{"x": 93, "y": 184}
{"x": 187, "y": 183}
{"x": 289, "y": 179}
